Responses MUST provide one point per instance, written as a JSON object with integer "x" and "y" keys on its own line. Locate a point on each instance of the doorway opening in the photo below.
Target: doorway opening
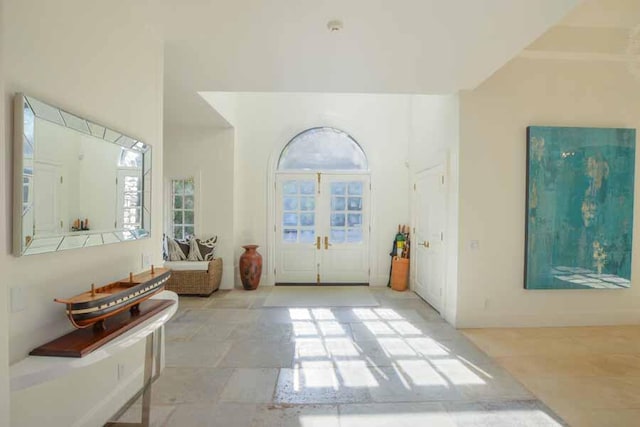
{"x": 322, "y": 210}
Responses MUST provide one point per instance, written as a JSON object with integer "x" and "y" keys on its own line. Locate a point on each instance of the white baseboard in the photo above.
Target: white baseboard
{"x": 451, "y": 318}
{"x": 379, "y": 281}
{"x": 515, "y": 320}
{"x": 228, "y": 279}
{"x": 233, "y": 281}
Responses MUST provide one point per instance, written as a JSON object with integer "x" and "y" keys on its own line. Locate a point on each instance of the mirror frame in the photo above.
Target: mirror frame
{"x": 90, "y": 128}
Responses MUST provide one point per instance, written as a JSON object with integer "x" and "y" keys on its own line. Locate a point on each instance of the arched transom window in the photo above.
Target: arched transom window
{"x": 323, "y": 148}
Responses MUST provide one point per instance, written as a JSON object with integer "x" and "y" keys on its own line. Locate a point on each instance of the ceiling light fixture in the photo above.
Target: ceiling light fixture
{"x": 334, "y": 25}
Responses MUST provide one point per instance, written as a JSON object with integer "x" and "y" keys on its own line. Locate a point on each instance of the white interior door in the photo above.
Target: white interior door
{"x": 46, "y": 178}
{"x": 322, "y": 228}
{"x": 428, "y": 247}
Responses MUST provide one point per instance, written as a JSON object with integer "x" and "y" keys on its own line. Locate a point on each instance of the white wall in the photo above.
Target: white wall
{"x": 102, "y": 61}
{"x": 206, "y": 154}
{"x": 434, "y": 140}
{"x": 85, "y": 397}
{"x": 266, "y": 122}
{"x": 226, "y": 106}
{"x": 4, "y": 237}
{"x": 494, "y": 118}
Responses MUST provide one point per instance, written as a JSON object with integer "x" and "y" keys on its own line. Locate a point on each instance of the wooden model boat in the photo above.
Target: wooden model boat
{"x": 95, "y": 306}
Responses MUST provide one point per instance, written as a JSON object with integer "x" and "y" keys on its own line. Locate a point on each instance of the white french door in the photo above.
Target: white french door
{"x": 428, "y": 240}
{"x": 344, "y": 256}
{"x": 322, "y": 228}
{"x": 297, "y": 238}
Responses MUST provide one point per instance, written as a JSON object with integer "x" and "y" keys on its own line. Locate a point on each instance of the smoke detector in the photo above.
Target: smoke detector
{"x": 334, "y": 25}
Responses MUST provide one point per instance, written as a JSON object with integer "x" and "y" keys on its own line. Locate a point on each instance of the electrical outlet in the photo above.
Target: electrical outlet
{"x": 474, "y": 245}
{"x": 146, "y": 261}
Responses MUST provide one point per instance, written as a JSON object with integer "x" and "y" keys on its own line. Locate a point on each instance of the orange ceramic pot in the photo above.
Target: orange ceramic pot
{"x": 250, "y": 267}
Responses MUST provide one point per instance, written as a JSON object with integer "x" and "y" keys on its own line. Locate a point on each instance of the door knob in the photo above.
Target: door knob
{"x": 326, "y": 242}
{"x": 425, "y": 244}
{"x": 318, "y": 243}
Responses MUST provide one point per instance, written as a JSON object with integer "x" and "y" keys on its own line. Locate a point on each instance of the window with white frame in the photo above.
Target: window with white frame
{"x": 322, "y": 148}
{"x": 182, "y": 215}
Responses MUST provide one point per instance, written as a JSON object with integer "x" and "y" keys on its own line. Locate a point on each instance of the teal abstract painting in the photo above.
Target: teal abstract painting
{"x": 579, "y": 224}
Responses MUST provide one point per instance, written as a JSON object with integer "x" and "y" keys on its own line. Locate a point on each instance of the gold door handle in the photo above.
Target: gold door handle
{"x": 326, "y": 242}
{"x": 318, "y": 243}
{"x": 425, "y": 244}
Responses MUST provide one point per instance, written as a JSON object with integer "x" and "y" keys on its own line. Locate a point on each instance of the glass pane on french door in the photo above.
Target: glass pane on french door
{"x": 298, "y": 211}
{"x": 346, "y": 211}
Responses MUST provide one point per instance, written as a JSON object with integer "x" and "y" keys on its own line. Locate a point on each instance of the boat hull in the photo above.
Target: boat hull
{"x": 118, "y": 297}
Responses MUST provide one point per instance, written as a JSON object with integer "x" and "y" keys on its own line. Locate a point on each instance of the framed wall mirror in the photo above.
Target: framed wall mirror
{"x": 76, "y": 183}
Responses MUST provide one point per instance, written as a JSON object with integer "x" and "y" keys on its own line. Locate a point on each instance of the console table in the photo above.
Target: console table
{"x": 34, "y": 370}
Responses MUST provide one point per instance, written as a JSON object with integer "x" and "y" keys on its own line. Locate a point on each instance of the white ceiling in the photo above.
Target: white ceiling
{"x": 400, "y": 46}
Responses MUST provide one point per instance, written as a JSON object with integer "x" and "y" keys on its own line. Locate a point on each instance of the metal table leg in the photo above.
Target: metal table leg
{"x": 146, "y": 388}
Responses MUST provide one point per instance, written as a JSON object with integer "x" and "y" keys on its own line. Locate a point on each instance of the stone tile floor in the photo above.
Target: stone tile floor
{"x": 231, "y": 362}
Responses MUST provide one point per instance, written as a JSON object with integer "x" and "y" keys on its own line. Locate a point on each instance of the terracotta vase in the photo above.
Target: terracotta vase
{"x": 250, "y": 267}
